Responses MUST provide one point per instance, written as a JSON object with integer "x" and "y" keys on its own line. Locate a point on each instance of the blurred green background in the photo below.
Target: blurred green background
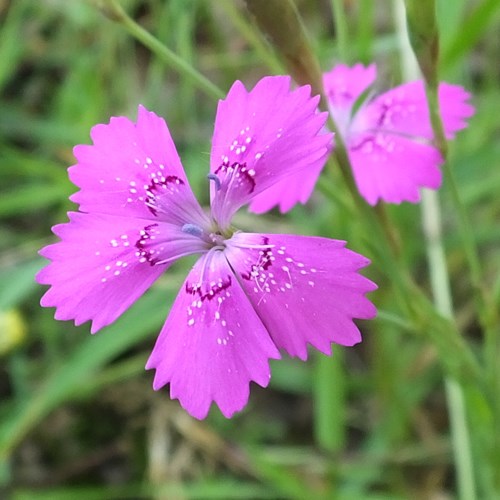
{"x": 78, "y": 416}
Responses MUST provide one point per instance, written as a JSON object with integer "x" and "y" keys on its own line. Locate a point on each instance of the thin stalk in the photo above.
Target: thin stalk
{"x": 364, "y": 30}
{"x": 341, "y": 33}
{"x": 329, "y": 402}
{"x": 282, "y": 27}
{"x": 248, "y": 32}
{"x": 486, "y": 308}
{"x": 442, "y": 332}
{"x": 290, "y": 41}
{"x": 440, "y": 284}
{"x": 440, "y": 280}
{"x": 114, "y": 11}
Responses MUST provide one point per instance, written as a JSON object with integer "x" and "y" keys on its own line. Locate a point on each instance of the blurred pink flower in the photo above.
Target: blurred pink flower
{"x": 248, "y": 295}
{"x": 388, "y": 138}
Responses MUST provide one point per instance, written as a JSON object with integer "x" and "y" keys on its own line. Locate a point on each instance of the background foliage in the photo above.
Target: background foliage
{"x": 78, "y": 417}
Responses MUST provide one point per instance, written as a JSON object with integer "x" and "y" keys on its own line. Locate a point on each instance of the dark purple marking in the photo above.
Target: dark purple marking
{"x": 383, "y": 113}
{"x": 334, "y": 95}
{"x": 156, "y": 186}
{"x": 141, "y": 243}
{"x": 240, "y": 168}
{"x": 211, "y": 292}
{"x": 262, "y": 264}
{"x": 360, "y": 144}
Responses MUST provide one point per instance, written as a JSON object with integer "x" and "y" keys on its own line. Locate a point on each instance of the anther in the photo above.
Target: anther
{"x": 215, "y": 178}
{"x": 192, "y": 229}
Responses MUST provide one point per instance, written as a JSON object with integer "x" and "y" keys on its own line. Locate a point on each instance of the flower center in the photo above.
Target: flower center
{"x": 214, "y": 239}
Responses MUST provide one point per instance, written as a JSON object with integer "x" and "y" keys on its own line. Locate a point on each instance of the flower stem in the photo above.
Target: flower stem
{"x": 329, "y": 402}
{"x": 487, "y": 310}
{"x": 431, "y": 215}
{"x": 340, "y": 23}
{"x": 385, "y": 245}
{"x": 282, "y": 26}
{"x": 454, "y": 394}
{"x": 114, "y": 11}
{"x": 253, "y": 38}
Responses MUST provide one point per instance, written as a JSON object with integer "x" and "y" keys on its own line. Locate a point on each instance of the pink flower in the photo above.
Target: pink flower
{"x": 388, "y": 139}
{"x": 248, "y": 295}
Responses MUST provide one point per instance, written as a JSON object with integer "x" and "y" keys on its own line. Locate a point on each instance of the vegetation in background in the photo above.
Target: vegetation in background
{"x": 78, "y": 416}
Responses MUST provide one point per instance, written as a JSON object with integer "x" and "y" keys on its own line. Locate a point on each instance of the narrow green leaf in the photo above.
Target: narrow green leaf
{"x": 478, "y": 20}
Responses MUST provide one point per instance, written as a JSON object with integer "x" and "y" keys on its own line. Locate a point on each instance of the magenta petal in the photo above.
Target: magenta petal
{"x": 213, "y": 344}
{"x": 100, "y": 267}
{"x": 305, "y": 289}
{"x": 404, "y": 110}
{"x": 261, "y": 137}
{"x": 296, "y": 188}
{"x": 454, "y": 108}
{"x": 393, "y": 168}
{"x": 128, "y": 161}
{"x": 343, "y": 86}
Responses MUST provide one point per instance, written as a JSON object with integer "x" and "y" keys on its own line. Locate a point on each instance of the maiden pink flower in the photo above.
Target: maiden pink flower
{"x": 248, "y": 295}
{"x": 388, "y": 138}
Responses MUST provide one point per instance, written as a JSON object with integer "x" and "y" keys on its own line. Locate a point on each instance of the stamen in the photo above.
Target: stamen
{"x": 216, "y": 179}
{"x": 253, "y": 247}
{"x": 192, "y": 229}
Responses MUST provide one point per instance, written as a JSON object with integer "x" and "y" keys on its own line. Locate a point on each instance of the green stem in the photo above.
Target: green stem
{"x": 440, "y": 280}
{"x": 329, "y": 402}
{"x": 486, "y": 308}
{"x": 469, "y": 245}
{"x": 340, "y": 22}
{"x": 440, "y": 284}
{"x": 282, "y": 26}
{"x": 365, "y": 30}
{"x": 290, "y": 41}
{"x": 113, "y": 10}
{"x": 385, "y": 240}
{"x": 248, "y": 32}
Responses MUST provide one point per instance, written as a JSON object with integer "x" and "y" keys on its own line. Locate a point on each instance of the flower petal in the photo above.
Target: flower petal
{"x": 393, "y": 168}
{"x": 128, "y": 167}
{"x": 304, "y": 289}
{"x": 213, "y": 344}
{"x": 343, "y": 86}
{"x": 296, "y": 188}
{"x": 261, "y": 137}
{"x": 403, "y": 110}
{"x": 103, "y": 264}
